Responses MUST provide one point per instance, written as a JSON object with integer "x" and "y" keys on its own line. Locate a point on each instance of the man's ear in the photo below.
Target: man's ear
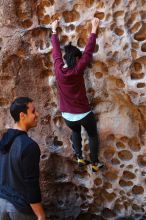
{"x": 22, "y": 115}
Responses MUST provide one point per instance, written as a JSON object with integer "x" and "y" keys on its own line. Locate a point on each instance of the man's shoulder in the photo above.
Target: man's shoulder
{"x": 28, "y": 145}
{"x": 26, "y": 141}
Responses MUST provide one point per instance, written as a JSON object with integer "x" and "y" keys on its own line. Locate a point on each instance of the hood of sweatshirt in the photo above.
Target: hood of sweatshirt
{"x": 8, "y": 138}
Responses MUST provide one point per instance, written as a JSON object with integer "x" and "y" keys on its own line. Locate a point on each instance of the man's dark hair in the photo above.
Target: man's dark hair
{"x": 19, "y": 105}
{"x": 71, "y": 53}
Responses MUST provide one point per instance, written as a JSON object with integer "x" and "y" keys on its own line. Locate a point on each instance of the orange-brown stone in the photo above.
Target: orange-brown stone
{"x": 111, "y": 175}
{"x": 109, "y": 152}
{"x": 134, "y": 144}
{"x": 115, "y": 85}
{"x": 125, "y": 155}
{"x": 138, "y": 190}
{"x": 142, "y": 160}
{"x": 141, "y": 34}
{"x": 120, "y": 145}
{"x": 124, "y": 183}
{"x": 128, "y": 175}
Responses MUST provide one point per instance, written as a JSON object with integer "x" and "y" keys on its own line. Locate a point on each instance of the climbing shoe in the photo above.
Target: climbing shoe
{"x": 82, "y": 162}
{"x": 97, "y": 166}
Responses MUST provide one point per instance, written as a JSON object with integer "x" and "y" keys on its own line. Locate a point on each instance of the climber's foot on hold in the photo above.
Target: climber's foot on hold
{"x": 97, "y": 166}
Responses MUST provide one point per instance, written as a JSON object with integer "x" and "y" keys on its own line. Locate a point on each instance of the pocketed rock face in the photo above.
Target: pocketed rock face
{"x": 116, "y": 88}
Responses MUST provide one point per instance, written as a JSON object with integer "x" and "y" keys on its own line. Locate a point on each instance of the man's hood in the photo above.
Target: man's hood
{"x": 8, "y": 138}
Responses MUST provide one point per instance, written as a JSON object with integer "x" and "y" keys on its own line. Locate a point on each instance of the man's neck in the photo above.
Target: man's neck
{"x": 20, "y": 127}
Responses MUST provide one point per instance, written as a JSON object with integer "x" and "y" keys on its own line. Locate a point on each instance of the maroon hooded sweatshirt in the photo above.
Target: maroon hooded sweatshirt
{"x": 70, "y": 81}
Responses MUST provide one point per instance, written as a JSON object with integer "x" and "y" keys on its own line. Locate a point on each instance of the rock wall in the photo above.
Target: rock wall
{"x": 116, "y": 88}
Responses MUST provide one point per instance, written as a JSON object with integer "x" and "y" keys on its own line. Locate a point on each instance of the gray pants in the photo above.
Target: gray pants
{"x": 9, "y": 212}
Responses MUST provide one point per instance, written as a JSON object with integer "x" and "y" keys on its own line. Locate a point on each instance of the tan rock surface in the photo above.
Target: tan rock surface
{"x": 116, "y": 88}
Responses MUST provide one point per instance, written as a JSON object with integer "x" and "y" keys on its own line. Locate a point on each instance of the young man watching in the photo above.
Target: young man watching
{"x": 20, "y": 197}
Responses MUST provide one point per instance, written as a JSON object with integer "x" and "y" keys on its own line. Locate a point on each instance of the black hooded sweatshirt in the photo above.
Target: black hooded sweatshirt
{"x": 19, "y": 170}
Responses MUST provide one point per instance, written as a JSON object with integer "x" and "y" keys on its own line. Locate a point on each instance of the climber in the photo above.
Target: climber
{"x": 20, "y": 196}
{"x": 74, "y": 104}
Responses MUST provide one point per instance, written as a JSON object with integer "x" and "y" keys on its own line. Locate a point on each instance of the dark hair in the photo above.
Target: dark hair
{"x": 71, "y": 53}
{"x": 19, "y": 105}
